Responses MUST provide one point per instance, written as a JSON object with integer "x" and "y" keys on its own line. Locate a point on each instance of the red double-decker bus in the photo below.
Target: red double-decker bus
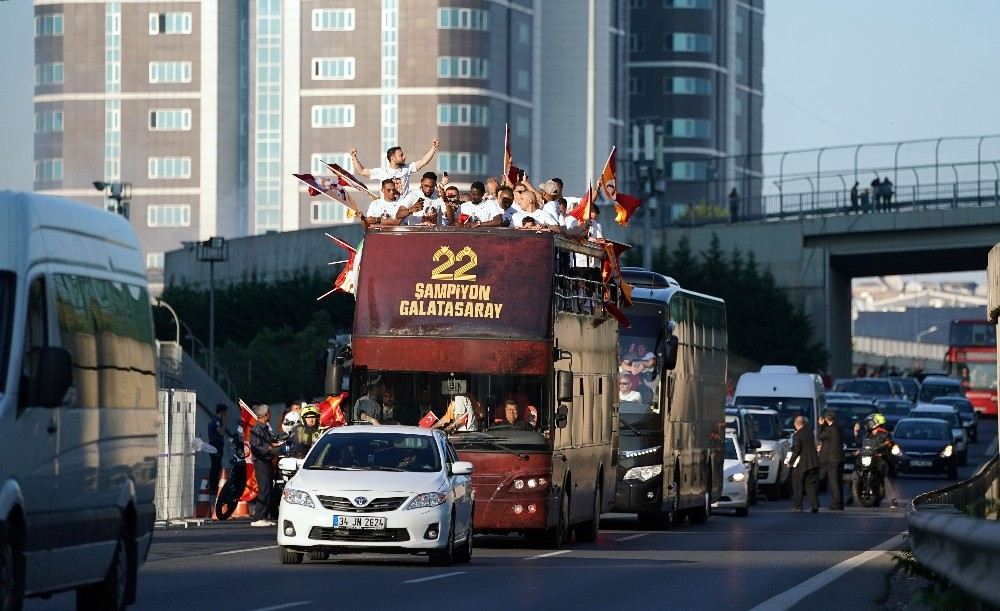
{"x": 972, "y": 358}
{"x": 474, "y": 326}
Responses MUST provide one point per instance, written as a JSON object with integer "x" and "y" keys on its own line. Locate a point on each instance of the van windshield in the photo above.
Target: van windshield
{"x": 6, "y": 324}
{"x": 787, "y": 407}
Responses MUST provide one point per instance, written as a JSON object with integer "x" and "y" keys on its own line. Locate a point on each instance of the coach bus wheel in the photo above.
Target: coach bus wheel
{"x": 586, "y": 532}
{"x": 558, "y": 535}
{"x": 700, "y": 514}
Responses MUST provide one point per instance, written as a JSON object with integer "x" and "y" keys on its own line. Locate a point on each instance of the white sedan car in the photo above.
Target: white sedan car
{"x": 381, "y": 489}
{"x": 735, "y": 493}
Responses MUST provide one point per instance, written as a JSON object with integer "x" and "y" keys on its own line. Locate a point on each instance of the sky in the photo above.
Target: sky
{"x": 835, "y": 72}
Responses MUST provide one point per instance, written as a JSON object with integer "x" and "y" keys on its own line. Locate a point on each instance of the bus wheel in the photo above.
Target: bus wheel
{"x": 586, "y": 532}
{"x": 558, "y": 535}
{"x": 700, "y": 515}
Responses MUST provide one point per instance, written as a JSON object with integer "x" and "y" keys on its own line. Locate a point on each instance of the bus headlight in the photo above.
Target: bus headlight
{"x": 643, "y": 473}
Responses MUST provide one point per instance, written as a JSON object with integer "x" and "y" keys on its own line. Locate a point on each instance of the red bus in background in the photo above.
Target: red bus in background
{"x": 972, "y": 359}
{"x": 468, "y": 319}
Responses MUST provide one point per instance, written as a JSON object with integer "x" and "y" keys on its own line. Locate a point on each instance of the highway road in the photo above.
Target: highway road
{"x": 773, "y": 559}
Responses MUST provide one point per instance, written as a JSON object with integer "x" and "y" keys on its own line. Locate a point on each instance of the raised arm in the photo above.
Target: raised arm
{"x": 358, "y": 168}
{"x": 429, "y": 155}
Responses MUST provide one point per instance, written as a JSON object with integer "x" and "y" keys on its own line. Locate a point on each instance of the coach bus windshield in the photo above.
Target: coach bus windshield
{"x": 490, "y": 412}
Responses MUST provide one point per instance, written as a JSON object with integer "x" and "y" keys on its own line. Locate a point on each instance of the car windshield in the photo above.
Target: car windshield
{"x": 849, "y": 413}
{"x": 787, "y": 407}
{"x": 731, "y": 449}
{"x": 766, "y": 426}
{"x": 6, "y": 320}
{"x": 950, "y": 417}
{"x": 375, "y": 451}
{"x": 930, "y": 391}
{"x": 964, "y": 405}
{"x": 913, "y": 429}
{"x": 868, "y": 388}
{"x": 895, "y": 408}
{"x": 910, "y": 386}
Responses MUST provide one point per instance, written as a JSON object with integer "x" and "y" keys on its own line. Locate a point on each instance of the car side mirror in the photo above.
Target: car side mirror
{"x": 564, "y": 384}
{"x": 49, "y": 374}
{"x": 290, "y": 463}
{"x": 562, "y": 416}
{"x": 670, "y": 353}
{"x": 461, "y": 467}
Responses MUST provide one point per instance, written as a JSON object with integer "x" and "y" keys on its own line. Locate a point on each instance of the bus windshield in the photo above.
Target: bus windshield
{"x": 6, "y": 329}
{"x": 787, "y": 407}
{"x": 637, "y": 387}
{"x": 479, "y": 411}
{"x": 972, "y": 333}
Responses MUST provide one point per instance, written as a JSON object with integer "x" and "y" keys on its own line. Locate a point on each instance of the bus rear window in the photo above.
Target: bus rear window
{"x": 6, "y": 324}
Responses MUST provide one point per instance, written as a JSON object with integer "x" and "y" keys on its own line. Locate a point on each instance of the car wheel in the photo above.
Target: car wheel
{"x": 112, "y": 593}
{"x": 752, "y": 493}
{"x": 11, "y": 572}
{"x": 587, "y": 531}
{"x": 289, "y": 556}
{"x": 463, "y": 555}
{"x": 445, "y": 556}
{"x": 319, "y": 555}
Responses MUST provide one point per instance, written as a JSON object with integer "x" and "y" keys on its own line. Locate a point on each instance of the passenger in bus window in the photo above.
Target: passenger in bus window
{"x": 464, "y": 414}
{"x": 627, "y": 390}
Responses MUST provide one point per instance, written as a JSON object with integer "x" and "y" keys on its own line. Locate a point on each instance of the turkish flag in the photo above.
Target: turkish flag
{"x": 428, "y": 420}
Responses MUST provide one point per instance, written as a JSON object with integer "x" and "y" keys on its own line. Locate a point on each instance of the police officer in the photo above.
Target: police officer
{"x": 302, "y": 437}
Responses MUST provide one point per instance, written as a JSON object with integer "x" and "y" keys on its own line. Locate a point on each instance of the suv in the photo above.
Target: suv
{"x": 741, "y": 425}
{"x": 939, "y": 386}
{"x": 772, "y": 475}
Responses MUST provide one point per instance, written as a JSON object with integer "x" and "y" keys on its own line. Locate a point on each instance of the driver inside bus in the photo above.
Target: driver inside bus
{"x": 512, "y": 419}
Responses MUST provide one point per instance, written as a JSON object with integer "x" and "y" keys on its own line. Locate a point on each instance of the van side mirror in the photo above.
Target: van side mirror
{"x": 670, "y": 353}
{"x": 562, "y": 416}
{"x": 48, "y": 375}
{"x": 564, "y": 386}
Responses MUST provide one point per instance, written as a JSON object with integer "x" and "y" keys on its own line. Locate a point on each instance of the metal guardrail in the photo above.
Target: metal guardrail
{"x": 955, "y": 532}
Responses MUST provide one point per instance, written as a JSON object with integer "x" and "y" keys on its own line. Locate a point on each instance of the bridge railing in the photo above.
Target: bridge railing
{"x": 954, "y": 532}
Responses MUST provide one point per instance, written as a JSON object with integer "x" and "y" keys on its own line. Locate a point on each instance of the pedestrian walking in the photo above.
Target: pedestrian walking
{"x": 831, "y": 457}
{"x": 734, "y": 205}
{"x": 854, "y": 197}
{"x": 804, "y": 461}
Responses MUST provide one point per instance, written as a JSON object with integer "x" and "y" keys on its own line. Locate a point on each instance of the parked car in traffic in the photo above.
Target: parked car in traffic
{"x": 741, "y": 424}
{"x": 950, "y": 415}
{"x": 735, "y": 486}
{"x": 894, "y": 410}
{"x": 939, "y": 386}
{"x": 772, "y": 474}
{"x": 970, "y": 417}
{"x": 924, "y": 445}
{"x": 871, "y": 388}
{"x": 384, "y": 489}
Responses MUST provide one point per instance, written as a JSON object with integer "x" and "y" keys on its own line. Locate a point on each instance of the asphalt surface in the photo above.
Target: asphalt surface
{"x": 773, "y": 559}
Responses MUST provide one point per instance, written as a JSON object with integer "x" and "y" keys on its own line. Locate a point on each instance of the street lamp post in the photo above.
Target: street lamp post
{"x": 213, "y": 250}
{"x": 649, "y": 180}
{"x": 927, "y": 331}
{"x": 121, "y": 192}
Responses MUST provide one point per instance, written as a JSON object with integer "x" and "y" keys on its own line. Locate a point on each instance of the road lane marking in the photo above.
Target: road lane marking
{"x": 301, "y": 603}
{"x": 249, "y": 549}
{"x": 433, "y": 577}
{"x": 629, "y": 538}
{"x": 549, "y": 555}
{"x": 791, "y": 597}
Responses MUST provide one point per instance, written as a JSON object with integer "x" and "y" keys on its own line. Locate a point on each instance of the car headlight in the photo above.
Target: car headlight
{"x": 896, "y": 450}
{"x": 866, "y": 461}
{"x": 737, "y": 477}
{"x": 427, "y": 499}
{"x": 644, "y": 473}
{"x": 297, "y": 497}
{"x": 765, "y": 454}
{"x": 946, "y": 452}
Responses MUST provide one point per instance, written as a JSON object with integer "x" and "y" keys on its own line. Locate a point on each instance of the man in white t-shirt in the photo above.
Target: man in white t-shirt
{"x": 383, "y": 211}
{"x": 398, "y": 168}
{"x": 420, "y": 205}
{"x": 480, "y": 212}
{"x": 505, "y": 199}
{"x": 530, "y": 209}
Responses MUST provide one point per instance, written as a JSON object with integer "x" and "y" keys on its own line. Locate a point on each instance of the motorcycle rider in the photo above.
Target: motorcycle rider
{"x": 303, "y": 436}
{"x": 878, "y": 437}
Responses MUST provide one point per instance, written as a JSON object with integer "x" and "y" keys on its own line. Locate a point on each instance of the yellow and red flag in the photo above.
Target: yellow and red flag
{"x": 607, "y": 185}
{"x": 581, "y": 211}
{"x": 511, "y": 173}
{"x": 248, "y": 420}
{"x": 330, "y": 412}
{"x": 625, "y": 207}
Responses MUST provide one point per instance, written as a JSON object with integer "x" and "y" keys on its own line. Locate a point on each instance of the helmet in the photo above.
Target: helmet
{"x": 878, "y": 418}
{"x": 291, "y": 420}
{"x": 310, "y": 410}
{"x": 870, "y": 423}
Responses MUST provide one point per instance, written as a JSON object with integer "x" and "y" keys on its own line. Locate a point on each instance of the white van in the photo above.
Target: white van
{"x": 78, "y": 414}
{"x": 785, "y": 390}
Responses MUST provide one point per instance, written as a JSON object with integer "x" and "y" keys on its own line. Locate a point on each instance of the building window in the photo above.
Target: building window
{"x": 690, "y": 128}
{"x": 333, "y": 115}
{"x": 474, "y": 115}
{"x": 463, "y": 163}
{"x": 523, "y": 33}
{"x": 634, "y": 85}
{"x": 523, "y": 80}
{"x": 48, "y": 121}
{"x": 48, "y": 169}
{"x": 170, "y": 119}
{"x": 170, "y": 23}
{"x": 332, "y": 20}
{"x": 463, "y": 67}
{"x": 462, "y": 19}
{"x": 49, "y": 25}
{"x": 49, "y": 74}
{"x": 634, "y": 43}
{"x": 684, "y": 42}
{"x": 688, "y": 170}
{"x": 705, "y": 4}
{"x": 169, "y": 72}
{"x": 328, "y": 212}
{"x": 169, "y": 167}
{"x": 687, "y": 85}
{"x": 154, "y": 260}
{"x": 333, "y": 68}
{"x": 173, "y": 215}
{"x": 522, "y": 126}
{"x": 316, "y": 162}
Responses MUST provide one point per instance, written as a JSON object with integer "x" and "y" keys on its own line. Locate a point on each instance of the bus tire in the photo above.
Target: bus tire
{"x": 586, "y": 532}
{"x": 11, "y": 568}
{"x": 558, "y": 535}
{"x": 699, "y": 515}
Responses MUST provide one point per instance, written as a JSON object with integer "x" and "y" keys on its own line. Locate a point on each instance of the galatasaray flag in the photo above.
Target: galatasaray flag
{"x": 607, "y": 184}
{"x": 347, "y": 280}
{"x": 333, "y": 189}
{"x": 347, "y": 179}
{"x": 625, "y": 207}
{"x": 330, "y": 412}
{"x": 511, "y": 173}
{"x": 248, "y": 420}
{"x": 581, "y": 211}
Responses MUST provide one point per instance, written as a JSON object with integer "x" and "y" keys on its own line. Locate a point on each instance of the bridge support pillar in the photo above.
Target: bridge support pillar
{"x": 838, "y": 322}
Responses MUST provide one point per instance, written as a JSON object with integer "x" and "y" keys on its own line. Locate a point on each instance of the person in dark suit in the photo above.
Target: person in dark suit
{"x": 804, "y": 461}
{"x": 831, "y": 457}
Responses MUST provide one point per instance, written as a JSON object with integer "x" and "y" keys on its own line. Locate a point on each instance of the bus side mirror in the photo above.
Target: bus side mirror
{"x": 670, "y": 354}
{"x": 562, "y": 416}
{"x": 564, "y": 386}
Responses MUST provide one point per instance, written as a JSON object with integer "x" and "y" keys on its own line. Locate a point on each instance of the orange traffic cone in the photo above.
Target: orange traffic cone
{"x": 203, "y": 507}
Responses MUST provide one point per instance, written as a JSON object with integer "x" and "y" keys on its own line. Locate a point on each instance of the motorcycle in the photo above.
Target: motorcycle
{"x": 868, "y": 486}
{"x": 229, "y": 496}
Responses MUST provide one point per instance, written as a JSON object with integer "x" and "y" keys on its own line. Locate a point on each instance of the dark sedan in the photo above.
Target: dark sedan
{"x": 894, "y": 410}
{"x": 924, "y": 445}
{"x": 970, "y": 417}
